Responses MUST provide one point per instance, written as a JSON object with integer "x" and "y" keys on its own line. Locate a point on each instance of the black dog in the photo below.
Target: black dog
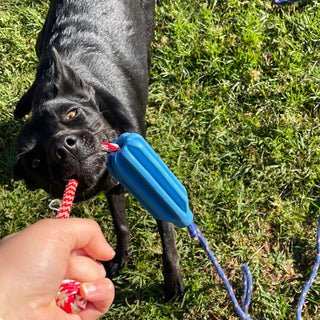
{"x": 91, "y": 86}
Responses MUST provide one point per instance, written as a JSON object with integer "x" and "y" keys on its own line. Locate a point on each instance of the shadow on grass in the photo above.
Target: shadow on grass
{"x": 8, "y": 133}
{"x": 133, "y": 297}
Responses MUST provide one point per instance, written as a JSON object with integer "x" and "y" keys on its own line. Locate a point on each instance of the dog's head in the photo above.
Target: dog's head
{"x": 63, "y": 138}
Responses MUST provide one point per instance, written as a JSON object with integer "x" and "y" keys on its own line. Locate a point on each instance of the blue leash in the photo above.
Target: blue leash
{"x": 246, "y": 282}
{"x": 247, "y": 277}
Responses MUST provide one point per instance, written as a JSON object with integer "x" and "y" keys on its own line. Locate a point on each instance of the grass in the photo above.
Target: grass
{"x": 234, "y": 111}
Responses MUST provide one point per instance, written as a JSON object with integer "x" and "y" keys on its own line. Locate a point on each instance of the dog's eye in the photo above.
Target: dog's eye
{"x": 71, "y": 114}
{"x": 35, "y": 163}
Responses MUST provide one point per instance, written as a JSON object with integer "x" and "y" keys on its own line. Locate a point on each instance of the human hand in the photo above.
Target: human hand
{"x": 34, "y": 262}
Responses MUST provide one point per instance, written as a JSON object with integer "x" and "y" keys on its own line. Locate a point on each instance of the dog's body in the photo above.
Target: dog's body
{"x": 91, "y": 86}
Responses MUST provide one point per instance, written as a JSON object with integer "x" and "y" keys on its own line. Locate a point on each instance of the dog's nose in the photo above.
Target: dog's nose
{"x": 64, "y": 145}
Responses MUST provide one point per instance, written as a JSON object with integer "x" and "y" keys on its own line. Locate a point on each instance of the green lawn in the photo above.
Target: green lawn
{"x": 234, "y": 112}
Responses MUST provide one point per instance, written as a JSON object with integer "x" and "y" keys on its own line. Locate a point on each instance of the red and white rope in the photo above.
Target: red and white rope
{"x": 109, "y": 147}
{"x": 68, "y": 297}
{"x": 67, "y": 199}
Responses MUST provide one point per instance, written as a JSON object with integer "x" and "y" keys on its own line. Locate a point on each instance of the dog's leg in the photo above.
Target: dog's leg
{"x": 116, "y": 200}
{"x": 173, "y": 282}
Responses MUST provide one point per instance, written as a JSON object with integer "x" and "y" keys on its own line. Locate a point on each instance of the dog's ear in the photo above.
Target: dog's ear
{"x": 19, "y": 174}
{"x": 67, "y": 81}
{"x": 24, "y": 105}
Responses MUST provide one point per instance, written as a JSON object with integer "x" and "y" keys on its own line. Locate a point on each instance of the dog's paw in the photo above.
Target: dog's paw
{"x": 117, "y": 263}
{"x": 173, "y": 287}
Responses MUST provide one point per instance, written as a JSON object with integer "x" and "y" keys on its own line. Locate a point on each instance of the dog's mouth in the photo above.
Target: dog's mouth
{"x": 87, "y": 164}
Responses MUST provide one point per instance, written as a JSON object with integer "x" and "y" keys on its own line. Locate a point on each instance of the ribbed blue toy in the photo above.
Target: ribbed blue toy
{"x": 142, "y": 172}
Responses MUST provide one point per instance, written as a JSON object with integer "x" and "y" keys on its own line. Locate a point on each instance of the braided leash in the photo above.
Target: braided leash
{"x": 247, "y": 278}
{"x": 242, "y": 310}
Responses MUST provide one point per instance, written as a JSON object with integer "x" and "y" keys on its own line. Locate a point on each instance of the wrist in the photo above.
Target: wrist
{"x": 11, "y": 305}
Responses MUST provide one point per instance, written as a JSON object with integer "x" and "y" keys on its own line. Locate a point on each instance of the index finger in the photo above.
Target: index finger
{"x": 76, "y": 233}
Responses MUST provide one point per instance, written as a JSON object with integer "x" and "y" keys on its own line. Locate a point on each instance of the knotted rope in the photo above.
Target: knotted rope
{"x": 69, "y": 298}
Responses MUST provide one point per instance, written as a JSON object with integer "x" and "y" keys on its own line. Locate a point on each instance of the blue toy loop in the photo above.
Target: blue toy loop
{"x": 246, "y": 279}
{"x": 282, "y": 2}
{"x": 141, "y": 171}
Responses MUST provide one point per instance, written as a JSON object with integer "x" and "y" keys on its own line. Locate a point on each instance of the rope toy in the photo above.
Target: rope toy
{"x": 68, "y": 297}
{"x": 109, "y": 147}
{"x": 242, "y": 310}
{"x": 141, "y": 171}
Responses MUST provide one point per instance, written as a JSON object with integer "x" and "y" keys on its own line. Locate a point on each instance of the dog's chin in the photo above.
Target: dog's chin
{"x": 88, "y": 191}
{"x": 91, "y": 174}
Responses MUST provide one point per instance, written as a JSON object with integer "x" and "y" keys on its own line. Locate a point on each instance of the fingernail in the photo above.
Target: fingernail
{"x": 111, "y": 249}
{"x": 89, "y": 289}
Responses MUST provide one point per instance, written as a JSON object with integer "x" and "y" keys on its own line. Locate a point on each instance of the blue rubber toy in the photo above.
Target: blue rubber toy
{"x": 142, "y": 172}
